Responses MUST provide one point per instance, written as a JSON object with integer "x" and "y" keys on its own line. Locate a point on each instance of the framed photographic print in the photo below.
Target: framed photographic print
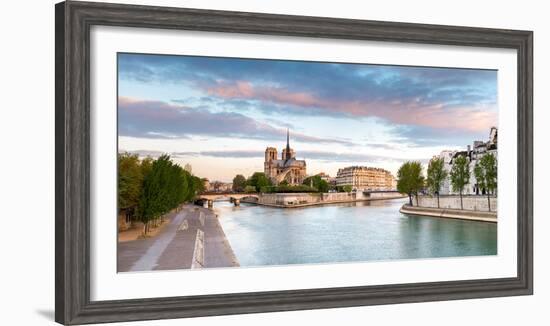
{"x": 215, "y": 162}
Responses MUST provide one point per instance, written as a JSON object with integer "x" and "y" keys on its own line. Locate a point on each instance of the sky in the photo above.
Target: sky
{"x": 220, "y": 114}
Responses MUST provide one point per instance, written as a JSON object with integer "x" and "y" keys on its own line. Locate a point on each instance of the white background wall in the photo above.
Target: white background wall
{"x": 27, "y": 161}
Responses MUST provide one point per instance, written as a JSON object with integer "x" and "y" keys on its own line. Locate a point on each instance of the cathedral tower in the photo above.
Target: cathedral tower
{"x": 270, "y": 156}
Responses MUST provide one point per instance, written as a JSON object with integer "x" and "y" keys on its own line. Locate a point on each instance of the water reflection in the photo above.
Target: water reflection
{"x": 347, "y": 232}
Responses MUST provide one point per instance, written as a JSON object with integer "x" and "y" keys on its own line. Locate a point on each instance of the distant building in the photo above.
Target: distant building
{"x": 225, "y": 187}
{"x": 365, "y": 178}
{"x": 218, "y": 186}
{"x": 206, "y": 184}
{"x": 473, "y": 154}
{"x": 288, "y": 168}
{"x": 393, "y": 183}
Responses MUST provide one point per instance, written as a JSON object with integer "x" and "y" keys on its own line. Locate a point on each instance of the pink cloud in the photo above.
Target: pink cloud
{"x": 245, "y": 90}
{"x": 239, "y": 89}
{"x": 403, "y": 112}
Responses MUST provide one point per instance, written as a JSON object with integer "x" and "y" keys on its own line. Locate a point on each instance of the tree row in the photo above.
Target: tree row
{"x": 148, "y": 189}
{"x": 411, "y": 181}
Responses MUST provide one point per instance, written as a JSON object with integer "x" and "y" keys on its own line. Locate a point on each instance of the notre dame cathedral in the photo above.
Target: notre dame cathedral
{"x": 288, "y": 168}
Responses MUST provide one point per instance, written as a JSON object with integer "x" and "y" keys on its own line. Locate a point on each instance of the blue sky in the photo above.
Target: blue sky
{"x": 219, "y": 114}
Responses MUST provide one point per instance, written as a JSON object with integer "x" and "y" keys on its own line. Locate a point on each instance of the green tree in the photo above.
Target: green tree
{"x": 249, "y": 189}
{"x": 154, "y": 187}
{"x": 410, "y": 179}
{"x": 165, "y": 186}
{"x": 317, "y": 183}
{"x": 311, "y": 181}
{"x": 258, "y": 180}
{"x": 346, "y": 188}
{"x": 182, "y": 185}
{"x": 197, "y": 186}
{"x": 189, "y": 193}
{"x": 239, "y": 182}
{"x": 130, "y": 179}
{"x": 323, "y": 186}
{"x": 146, "y": 165}
{"x": 436, "y": 175}
{"x": 485, "y": 172}
{"x": 460, "y": 175}
{"x": 287, "y": 189}
{"x": 151, "y": 204}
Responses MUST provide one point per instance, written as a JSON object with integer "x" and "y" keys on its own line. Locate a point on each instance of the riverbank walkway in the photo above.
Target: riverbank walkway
{"x": 450, "y": 213}
{"x": 193, "y": 238}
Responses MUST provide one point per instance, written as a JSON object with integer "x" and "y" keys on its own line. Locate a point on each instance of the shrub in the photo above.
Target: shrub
{"x": 249, "y": 189}
{"x": 286, "y": 188}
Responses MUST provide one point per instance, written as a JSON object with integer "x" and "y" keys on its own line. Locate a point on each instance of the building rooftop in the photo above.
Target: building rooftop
{"x": 363, "y": 168}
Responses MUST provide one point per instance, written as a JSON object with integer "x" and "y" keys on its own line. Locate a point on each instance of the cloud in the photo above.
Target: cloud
{"x": 157, "y": 119}
{"x": 143, "y": 153}
{"x": 325, "y": 156}
{"x": 280, "y": 123}
{"x": 220, "y": 153}
{"x": 224, "y": 153}
{"x": 448, "y": 99}
{"x": 328, "y": 156}
{"x": 416, "y": 136}
{"x": 416, "y": 111}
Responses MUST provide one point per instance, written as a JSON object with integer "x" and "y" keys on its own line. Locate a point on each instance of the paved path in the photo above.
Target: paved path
{"x": 180, "y": 245}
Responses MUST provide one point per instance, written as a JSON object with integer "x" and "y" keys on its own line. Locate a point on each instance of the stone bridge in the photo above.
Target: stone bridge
{"x": 234, "y": 198}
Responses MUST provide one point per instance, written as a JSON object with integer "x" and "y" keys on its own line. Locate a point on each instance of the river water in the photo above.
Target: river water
{"x": 362, "y": 231}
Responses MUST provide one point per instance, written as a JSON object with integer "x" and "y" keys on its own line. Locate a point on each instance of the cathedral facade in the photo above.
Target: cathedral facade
{"x": 288, "y": 168}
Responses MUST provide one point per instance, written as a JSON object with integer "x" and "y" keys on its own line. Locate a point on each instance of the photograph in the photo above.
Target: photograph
{"x": 247, "y": 162}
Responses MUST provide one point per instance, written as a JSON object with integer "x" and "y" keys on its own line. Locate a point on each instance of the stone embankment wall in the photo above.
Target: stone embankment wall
{"x": 341, "y": 196}
{"x": 291, "y": 199}
{"x": 471, "y": 203}
{"x": 381, "y": 195}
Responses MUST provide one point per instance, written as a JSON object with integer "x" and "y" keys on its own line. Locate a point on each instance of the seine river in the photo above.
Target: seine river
{"x": 363, "y": 231}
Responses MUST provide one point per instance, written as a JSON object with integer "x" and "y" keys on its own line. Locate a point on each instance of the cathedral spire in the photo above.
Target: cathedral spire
{"x": 287, "y": 139}
{"x": 287, "y": 145}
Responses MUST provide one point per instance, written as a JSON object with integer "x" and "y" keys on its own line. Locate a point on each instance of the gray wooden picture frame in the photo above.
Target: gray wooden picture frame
{"x": 72, "y": 169}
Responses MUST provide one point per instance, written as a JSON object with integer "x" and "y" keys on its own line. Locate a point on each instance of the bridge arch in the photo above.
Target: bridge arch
{"x": 234, "y": 198}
